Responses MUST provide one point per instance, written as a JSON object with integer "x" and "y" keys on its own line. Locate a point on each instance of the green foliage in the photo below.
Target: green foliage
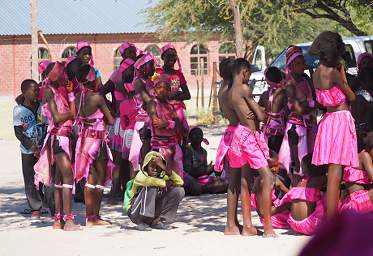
{"x": 273, "y": 23}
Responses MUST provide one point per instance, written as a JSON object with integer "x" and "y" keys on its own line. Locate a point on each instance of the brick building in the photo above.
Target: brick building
{"x": 63, "y": 23}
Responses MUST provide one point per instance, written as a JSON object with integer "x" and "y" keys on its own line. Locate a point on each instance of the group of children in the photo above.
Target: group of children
{"x": 71, "y": 134}
{"x": 294, "y": 170}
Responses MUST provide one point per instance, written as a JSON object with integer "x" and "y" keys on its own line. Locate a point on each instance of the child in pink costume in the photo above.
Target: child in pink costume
{"x": 357, "y": 180}
{"x": 276, "y": 110}
{"x": 57, "y": 148}
{"x": 165, "y": 126}
{"x": 144, "y": 89}
{"x": 177, "y": 96}
{"x": 305, "y": 201}
{"x": 279, "y": 220}
{"x": 300, "y": 102}
{"x": 336, "y": 142}
{"x": 92, "y": 145}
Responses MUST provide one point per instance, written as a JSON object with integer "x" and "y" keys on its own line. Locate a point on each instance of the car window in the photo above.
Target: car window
{"x": 349, "y": 57}
{"x": 369, "y": 46}
{"x": 280, "y": 60}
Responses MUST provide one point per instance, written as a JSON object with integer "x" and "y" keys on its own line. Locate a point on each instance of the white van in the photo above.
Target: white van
{"x": 354, "y": 47}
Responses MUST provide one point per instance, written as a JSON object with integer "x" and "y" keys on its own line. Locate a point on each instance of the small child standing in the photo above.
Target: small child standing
{"x": 165, "y": 126}
{"x": 198, "y": 178}
{"x": 30, "y": 131}
{"x": 153, "y": 196}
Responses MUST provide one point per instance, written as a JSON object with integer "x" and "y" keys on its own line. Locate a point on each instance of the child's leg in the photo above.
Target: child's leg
{"x": 333, "y": 189}
{"x": 99, "y": 166}
{"x": 234, "y": 178}
{"x": 125, "y": 175}
{"x": 248, "y": 229}
{"x": 64, "y": 165}
{"x": 267, "y": 185}
{"x": 58, "y": 212}
{"x": 116, "y": 186}
{"x": 169, "y": 204}
{"x": 90, "y": 197}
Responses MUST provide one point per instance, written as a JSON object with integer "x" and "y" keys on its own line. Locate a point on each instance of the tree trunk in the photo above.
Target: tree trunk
{"x": 34, "y": 40}
{"x": 240, "y": 51}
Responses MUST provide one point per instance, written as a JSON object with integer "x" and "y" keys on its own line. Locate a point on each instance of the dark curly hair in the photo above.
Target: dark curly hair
{"x": 225, "y": 69}
{"x": 329, "y": 47}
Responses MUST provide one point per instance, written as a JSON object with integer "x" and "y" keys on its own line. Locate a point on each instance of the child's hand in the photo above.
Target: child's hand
{"x": 160, "y": 123}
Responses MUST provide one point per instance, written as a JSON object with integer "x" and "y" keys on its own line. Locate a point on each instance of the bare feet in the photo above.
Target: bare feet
{"x": 101, "y": 222}
{"x": 57, "y": 224}
{"x": 71, "y": 226}
{"x": 231, "y": 231}
{"x": 269, "y": 233}
{"x": 249, "y": 231}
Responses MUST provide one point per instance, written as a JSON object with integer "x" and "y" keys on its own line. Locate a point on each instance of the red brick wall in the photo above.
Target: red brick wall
{"x": 15, "y": 52}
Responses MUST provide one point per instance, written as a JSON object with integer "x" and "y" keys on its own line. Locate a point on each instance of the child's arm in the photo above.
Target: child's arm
{"x": 258, "y": 111}
{"x": 140, "y": 88}
{"x": 367, "y": 164}
{"x": 339, "y": 78}
{"x": 184, "y": 94}
{"x": 281, "y": 208}
{"x": 280, "y": 185}
{"x": 152, "y": 111}
{"x": 104, "y": 108}
{"x": 144, "y": 180}
{"x": 57, "y": 116}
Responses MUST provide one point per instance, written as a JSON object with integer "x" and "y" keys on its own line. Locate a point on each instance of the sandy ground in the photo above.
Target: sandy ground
{"x": 198, "y": 230}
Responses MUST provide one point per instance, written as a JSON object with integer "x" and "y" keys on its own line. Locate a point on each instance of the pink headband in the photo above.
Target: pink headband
{"x": 56, "y": 71}
{"x": 125, "y": 46}
{"x": 270, "y": 83}
{"x": 81, "y": 45}
{"x": 126, "y": 64}
{"x": 143, "y": 60}
{"x": 292, "y": 53}
{"x": 43, "y": 66}
{"x": 170, "y": 46}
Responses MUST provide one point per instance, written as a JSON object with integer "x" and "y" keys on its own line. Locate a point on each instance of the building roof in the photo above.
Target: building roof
{"x": 76, "y": 16}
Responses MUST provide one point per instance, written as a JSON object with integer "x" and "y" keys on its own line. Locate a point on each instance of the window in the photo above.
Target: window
{"x": 43, "y": 54}
{"x": 69, "y": 51}
{"x": 349, "y": 57}
{"x": 369, "y": 46}
{"x": 198, "y": 60}
{"x": 227, "y": 50}
{"x": 117, "y": 59}
{"x": 154, "y": 49}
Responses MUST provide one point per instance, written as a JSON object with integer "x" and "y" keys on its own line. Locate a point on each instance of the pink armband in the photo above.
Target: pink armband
{"x": 71, "y": 96}
{"x": 171, "y": 125}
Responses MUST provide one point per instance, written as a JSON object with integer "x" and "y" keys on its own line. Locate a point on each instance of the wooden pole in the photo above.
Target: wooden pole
{"x": 240, "y": 51}
{"x": 214, "y": 88}
{"x": 202, "y": 84}
{"x": 197, "y": 92}
{"x": 34, "y": 40}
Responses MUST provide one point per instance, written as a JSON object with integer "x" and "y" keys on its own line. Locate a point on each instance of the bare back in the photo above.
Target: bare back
{"x": 225, "y": 106}
{"x": 241, "y": 102}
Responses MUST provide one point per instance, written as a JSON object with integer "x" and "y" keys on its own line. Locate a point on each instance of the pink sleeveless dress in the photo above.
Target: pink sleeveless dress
{"x": 142, "y": 121}
{"x": 57, "y": 138}
{"x": 125, "y": 121}
{"x": 302, "y": 124}
{"x": 308, "y": 225}
{"x": 91, "y": 141}
{"x": 336, "y": 141}
{"x": 358, "y": 201}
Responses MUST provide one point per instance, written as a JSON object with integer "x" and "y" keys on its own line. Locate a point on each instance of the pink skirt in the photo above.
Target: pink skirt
{"x": 121, "y": 139}
{"x": 284, "y": 154}
{"x": 177, "y": 163}
{"x": 308, "y": 225}
{"x": 87, "y": 150}
{"x": 135, "y": 150}
{"x": 224, "y": 145}
{"x": 358, "y": 201}
{"x": 301, "y": 193}
{"x": 336, "y": 141}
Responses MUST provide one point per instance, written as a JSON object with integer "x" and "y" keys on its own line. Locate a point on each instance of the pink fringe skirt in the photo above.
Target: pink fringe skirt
{"x": 336, "y": 141}
{"x": 224, "y": 145}
{"x": 121, "y": 139}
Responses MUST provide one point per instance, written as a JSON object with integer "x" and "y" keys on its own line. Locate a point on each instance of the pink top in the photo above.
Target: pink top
{"x": 331, "y": 97}
{"x": 95, "y": 120}
{"x": 354, "y": 175}
{"x": 142, "y": 115}
{"x": 165, "y": 137}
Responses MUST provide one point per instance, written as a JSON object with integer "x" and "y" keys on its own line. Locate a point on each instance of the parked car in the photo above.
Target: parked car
{"x": 354, "y": 47}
